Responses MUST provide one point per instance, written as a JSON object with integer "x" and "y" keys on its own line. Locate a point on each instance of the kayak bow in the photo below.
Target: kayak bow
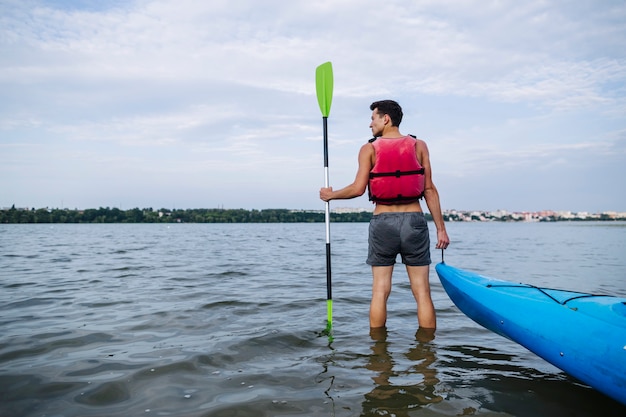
{"x": 582, "y": 334}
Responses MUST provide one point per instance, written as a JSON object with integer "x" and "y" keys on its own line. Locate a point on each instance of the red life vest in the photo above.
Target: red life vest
{"x": 397, "y": 176}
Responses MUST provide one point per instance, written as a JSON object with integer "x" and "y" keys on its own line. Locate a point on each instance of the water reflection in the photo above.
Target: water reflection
{"x": 396, "y": 391}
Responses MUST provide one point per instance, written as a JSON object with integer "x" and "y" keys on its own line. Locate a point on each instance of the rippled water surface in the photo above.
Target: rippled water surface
{"x": 228, "y": 320}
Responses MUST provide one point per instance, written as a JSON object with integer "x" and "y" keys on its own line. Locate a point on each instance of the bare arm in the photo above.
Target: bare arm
{"x": 358, "y": 187}
{"x": 431, "y": 195}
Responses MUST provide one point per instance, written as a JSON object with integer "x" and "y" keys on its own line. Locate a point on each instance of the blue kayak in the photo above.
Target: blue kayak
{"x": 582, "y": 334}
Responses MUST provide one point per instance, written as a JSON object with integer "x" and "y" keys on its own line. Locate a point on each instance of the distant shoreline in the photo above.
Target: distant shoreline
{"x": 148, "y": 215}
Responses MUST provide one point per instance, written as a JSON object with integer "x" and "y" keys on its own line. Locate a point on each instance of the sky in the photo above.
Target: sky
{"x": 211, "y": 104}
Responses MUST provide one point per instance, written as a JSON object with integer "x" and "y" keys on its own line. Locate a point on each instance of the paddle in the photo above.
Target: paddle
{"x": 324, "y": 87}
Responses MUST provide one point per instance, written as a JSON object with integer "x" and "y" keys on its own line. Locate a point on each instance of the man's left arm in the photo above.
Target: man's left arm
{"x": 431, "y": 195}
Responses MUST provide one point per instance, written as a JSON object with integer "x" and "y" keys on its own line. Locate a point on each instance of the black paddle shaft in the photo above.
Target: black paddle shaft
{"x": 328, "y": 269}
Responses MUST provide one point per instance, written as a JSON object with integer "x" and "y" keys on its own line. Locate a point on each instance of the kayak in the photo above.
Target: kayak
{"x": 582, "y": 334}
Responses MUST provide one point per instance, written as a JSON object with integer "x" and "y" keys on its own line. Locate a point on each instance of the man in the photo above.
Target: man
{"x": 396, "y": 169}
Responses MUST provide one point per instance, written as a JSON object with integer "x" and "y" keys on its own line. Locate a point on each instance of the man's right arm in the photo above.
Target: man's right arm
{"x": 358, "y": 187}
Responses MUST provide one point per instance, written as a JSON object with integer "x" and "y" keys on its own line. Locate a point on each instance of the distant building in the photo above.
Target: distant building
{"x": 340, "y": 210}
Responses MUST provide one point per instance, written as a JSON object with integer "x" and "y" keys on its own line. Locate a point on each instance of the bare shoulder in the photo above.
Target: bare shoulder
{"x": 421, "y": 149}
{"x": 419, "y": 143}
{"x": 367, "y": 149}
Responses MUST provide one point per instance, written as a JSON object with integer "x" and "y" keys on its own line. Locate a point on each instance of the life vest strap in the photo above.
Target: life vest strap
{"x": 398, "y": 199}
{"x": 397, "y": 173}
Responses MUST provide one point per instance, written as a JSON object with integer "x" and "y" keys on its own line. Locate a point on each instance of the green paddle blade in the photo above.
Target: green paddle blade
{"x": 329, "y": 314}
{"x": 324, "y": 87}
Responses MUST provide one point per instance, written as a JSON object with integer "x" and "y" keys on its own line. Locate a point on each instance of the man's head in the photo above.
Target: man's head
{"x": 390, "y": 108}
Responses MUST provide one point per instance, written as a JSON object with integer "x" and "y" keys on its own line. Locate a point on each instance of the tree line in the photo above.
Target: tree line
{"x": 148, "y": 215}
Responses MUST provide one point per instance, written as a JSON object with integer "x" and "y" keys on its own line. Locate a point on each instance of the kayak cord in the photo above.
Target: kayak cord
{"x": 543, "y": 291}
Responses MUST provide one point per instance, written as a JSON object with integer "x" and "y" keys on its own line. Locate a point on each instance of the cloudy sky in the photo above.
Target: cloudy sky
{"x": 203, "y": 104}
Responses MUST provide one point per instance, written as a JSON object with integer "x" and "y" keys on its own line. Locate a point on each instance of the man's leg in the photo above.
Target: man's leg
{"x": 418, "y": 276}
{"x": 381, "y": 288}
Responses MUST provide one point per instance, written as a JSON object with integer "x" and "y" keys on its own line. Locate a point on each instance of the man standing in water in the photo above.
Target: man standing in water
{"x": 396, "y": 169}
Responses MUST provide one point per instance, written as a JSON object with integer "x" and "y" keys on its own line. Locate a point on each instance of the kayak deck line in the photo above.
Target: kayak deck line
{"x": 544, "y": 290}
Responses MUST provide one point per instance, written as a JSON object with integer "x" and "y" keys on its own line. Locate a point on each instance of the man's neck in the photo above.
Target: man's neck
{"x": 391, "y": 132}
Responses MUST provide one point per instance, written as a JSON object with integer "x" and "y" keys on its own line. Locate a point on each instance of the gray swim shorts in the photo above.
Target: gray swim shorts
{"x": 391, "y": 234}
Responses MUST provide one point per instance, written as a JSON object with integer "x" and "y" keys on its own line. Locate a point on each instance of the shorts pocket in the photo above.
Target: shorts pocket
{"x": 417, "y": 221}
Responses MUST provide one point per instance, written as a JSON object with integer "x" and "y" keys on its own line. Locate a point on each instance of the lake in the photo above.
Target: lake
{"x": 228, "y": 319}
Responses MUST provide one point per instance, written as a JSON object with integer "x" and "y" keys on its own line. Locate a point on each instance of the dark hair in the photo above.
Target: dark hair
{"x": 389, "y": 107}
